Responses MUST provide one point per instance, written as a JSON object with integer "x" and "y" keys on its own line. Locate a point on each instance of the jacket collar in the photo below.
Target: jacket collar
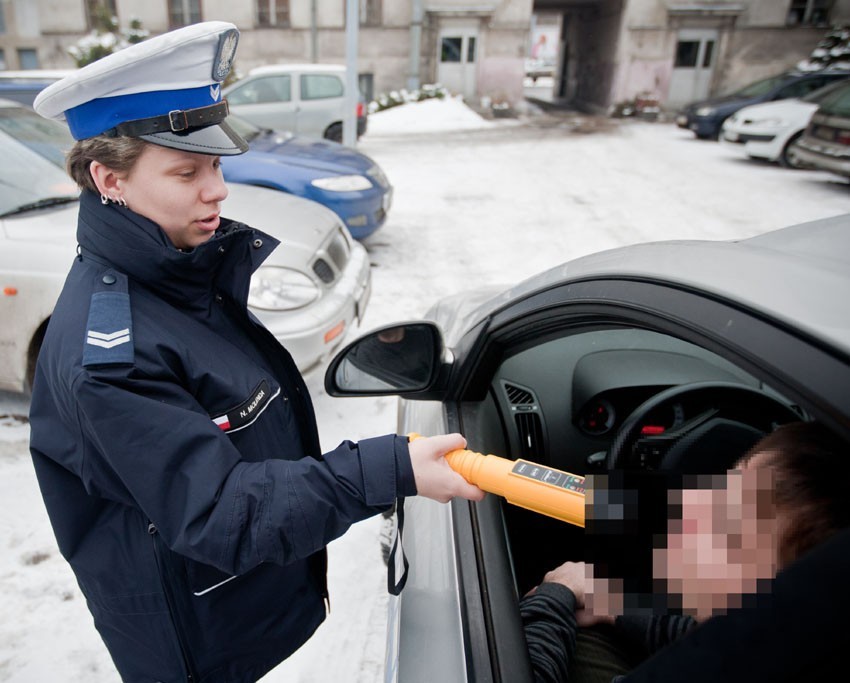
{"x": 120, "y": 238}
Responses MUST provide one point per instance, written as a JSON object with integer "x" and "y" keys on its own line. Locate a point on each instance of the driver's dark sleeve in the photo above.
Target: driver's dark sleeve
{"x": 651, "y": 633}
{"x": 550, "y": 628}
{"x": 549, "y": 622}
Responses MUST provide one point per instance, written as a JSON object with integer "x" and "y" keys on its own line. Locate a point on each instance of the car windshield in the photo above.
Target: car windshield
{"x": 31, "y": 175}
{"x": 245, "y": 128}
{"x": 44, "y": 137}
{"x": 821, "y": 94}
{"x": 837, "y": 101}
{"x": 760, "y": 88}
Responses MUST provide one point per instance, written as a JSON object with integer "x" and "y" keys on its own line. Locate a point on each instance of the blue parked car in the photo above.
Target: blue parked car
{"x": 347, "y": 182}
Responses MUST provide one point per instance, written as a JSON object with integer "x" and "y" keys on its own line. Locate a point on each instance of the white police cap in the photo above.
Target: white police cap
{"x": 166, "y": 90}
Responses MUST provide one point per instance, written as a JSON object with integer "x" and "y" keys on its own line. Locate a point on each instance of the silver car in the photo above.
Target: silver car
{"x": 310, "y": 292}
{"x": 669, "y": 356}
{"x": 308, "y": 99}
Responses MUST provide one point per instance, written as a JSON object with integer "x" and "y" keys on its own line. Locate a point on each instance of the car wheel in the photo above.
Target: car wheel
{"x": 334, "y": 132}
{"x": 788, "y": 158}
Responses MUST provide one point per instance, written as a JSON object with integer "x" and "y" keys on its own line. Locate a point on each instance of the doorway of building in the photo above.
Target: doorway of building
{"x": 457, "y": 59}
{"x": 693, "y": 66}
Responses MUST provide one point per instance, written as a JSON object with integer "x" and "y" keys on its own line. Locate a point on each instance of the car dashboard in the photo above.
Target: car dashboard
{"x": 561, "y": 403}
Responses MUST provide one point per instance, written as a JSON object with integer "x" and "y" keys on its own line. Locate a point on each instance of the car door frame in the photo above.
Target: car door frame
{"x": 812, "y": 374}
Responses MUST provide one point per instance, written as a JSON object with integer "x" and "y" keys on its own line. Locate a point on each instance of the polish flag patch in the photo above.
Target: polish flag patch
{"x": 223, "y": 422}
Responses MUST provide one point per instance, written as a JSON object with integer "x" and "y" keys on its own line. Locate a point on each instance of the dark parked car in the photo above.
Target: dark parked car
{"x": 826, "y": 142}
{"x": 705, "y": 118}
{"x": 675, "y": 355}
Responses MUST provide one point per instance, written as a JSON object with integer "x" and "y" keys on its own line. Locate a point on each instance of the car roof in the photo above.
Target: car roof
{"x": 287, "y": 68}
{"x": 35, "y": 74}
{"x": 798, "y": 275}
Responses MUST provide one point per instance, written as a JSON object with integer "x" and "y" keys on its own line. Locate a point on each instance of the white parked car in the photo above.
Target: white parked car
{"x": 771, "y": 130}
{"x": 308, "y": 99}
{"x": 309, "y": 292}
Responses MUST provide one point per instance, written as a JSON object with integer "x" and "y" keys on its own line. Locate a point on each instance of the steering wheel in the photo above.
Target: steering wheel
{"x": 731, "y": 418}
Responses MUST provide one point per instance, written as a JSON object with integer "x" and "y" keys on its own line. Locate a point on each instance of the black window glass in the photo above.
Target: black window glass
{"x": 687, "y": 52}
{"x": 450, "y": 49}
{"x": 709, "y": 53}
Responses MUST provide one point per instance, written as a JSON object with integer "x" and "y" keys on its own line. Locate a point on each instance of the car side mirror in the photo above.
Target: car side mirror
{"x": 401, "y": 359}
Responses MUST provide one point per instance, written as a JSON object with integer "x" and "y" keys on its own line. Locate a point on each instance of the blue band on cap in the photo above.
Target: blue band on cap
{"x": 96, "y": 116}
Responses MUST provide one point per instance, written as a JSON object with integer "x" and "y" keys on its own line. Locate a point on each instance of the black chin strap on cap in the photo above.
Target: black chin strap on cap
{"x": 177, "y": 121}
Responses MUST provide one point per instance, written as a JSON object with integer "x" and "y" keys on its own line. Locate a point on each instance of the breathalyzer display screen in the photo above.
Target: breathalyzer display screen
{"x": 562, "y": 480}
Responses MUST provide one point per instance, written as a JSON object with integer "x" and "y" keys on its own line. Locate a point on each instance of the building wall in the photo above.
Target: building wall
{"x": 52, "y": 26}
{"x": 753, "y": 43}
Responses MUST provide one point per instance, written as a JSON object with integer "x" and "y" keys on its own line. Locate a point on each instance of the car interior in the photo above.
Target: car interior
{"x": 589, "y": 401}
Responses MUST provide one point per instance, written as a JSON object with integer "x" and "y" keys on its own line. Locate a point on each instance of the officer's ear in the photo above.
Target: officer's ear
{"x": 106, "y": 179}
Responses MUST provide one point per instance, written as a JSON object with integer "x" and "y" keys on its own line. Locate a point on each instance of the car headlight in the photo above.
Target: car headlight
{"x": 274, "y": 288}
{"x": 705, "y": 111}
{"x": 767, "y": 122}
{"x": 343, "y": 183}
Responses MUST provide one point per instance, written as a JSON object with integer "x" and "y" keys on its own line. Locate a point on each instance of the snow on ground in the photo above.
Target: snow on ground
{"x": 427, "y": 116}
{"x": 476, "y": 202}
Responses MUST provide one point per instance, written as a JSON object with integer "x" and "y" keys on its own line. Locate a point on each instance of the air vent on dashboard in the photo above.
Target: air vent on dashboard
{"x": 517, "y": 396}
{"x": 528, "y": 420}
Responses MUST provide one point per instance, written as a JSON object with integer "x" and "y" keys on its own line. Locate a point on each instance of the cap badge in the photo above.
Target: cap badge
{"x": 225, "y": 54}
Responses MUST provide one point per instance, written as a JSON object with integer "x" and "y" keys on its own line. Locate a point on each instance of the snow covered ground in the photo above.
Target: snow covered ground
{"x": 476, "y": 203}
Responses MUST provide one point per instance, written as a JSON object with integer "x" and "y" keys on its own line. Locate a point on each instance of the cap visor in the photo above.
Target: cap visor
{"x": 219, "y": 139}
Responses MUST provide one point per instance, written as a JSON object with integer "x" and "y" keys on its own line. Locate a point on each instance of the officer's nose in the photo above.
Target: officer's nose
{"x": 215, "y": 189}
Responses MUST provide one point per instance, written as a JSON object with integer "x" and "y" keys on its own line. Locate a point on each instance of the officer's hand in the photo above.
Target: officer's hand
{"x": 434, "y": 478}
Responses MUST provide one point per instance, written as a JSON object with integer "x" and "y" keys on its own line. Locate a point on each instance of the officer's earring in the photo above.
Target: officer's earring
{"x": 120, "y": 201}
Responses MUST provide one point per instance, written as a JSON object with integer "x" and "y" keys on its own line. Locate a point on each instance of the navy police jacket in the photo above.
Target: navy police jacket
{"x": 178, "y": 456}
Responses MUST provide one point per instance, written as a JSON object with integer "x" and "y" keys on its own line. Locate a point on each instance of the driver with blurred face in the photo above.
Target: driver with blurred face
{"x": 727, "y": 537}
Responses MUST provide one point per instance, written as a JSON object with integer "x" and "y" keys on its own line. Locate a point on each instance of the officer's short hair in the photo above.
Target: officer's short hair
{"x": 117, "y": 153}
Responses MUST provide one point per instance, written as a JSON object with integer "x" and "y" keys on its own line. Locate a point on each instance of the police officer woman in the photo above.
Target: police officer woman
{"x": 173, "y": 438}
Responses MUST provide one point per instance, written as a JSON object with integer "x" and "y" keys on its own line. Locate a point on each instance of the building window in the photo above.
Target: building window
{"x": 2, "y": 59}
{"x": 27, "y": 58}
{"x": 273, "y": 13}
{"x": 687, "y": 52}
{"x": 370, "y": 12}
{"x": 95, "y": 9}
{"x": 183, "y": 12}
{"x": 450, "y": 49}
{"x": 809, "y": 12}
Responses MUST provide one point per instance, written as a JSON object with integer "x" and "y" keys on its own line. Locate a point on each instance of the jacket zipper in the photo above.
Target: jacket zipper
{"x": 152, "y": 531}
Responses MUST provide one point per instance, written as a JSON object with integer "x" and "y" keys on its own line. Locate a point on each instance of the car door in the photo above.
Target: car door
{"x": 480, "y": 558}
{"x": 267, "y": 101}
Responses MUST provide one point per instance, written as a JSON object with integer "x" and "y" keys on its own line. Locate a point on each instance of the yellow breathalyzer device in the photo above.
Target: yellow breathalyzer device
{"x": 529, "y": 485}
